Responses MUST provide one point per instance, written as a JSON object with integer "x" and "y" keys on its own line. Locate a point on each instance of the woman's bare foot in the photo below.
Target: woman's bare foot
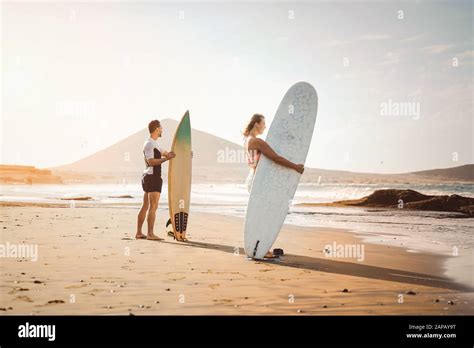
{"x": 269, "y": 254}
{"x": 140, "y": 236}
{"x": 153, "y": 237}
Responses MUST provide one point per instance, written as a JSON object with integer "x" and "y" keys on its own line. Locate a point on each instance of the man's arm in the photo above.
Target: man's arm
{"x": 149, "y": 155}
{"x": 156, "y": 161}
{"x": 167, "y": 154}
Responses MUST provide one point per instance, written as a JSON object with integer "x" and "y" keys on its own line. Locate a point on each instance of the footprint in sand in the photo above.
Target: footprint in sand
{"x": 15, "y": 290}
{"x": 75, "y": 286}
{"x": 93, "y": 292}
{"x": 23, "y": 298}
{"x": 223, "y": 301}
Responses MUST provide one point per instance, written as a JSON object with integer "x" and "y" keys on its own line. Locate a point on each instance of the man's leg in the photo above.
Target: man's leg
{"x": 141, "y": 217}
{"x": 153, "y": 198}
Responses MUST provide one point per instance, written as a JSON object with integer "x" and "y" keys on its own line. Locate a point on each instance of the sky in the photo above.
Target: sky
{"x": 394, "y": 79}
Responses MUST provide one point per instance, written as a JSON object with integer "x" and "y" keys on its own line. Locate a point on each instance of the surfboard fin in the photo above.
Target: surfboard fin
{"x": 168, "y": 223}
{"x": 255, "y": 249}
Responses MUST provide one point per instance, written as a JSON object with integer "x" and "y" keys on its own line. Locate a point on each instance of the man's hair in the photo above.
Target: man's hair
{"x": 153, "y": 125}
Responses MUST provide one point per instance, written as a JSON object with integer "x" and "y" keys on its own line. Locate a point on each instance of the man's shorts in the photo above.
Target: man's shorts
{"x": 151, "y": 183}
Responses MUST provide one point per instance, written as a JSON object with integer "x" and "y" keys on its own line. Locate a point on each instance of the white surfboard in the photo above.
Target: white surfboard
{"x": 274, "y": 186}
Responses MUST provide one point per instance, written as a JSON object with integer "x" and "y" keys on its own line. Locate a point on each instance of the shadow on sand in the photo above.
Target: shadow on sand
{"x": 345, "y": 268}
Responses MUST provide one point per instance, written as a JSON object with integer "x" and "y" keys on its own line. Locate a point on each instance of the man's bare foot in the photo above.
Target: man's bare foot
{"x": 269, "y": 255}
{"x": 153, "y": 237}
{"x": 140, "y": 236}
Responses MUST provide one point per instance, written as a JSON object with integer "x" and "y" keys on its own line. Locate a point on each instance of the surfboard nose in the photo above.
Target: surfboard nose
{"x": 306, "y": 86}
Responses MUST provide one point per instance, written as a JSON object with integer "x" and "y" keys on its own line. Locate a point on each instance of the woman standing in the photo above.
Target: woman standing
{"x": 255, "y": 147}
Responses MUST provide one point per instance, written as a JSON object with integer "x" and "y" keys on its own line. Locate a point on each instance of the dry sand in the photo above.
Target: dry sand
{"x": 89, "y": 263}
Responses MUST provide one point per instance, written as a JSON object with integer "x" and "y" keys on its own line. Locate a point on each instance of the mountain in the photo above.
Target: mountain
{"x": 214, "y": 158}
{"x": 219, "y": 160}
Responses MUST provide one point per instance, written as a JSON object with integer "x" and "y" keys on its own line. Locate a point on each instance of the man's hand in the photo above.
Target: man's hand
{"x": 171, "y": 155}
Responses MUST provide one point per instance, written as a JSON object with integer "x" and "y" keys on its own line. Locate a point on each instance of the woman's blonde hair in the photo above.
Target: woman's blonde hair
{"x": 256, "y": 118}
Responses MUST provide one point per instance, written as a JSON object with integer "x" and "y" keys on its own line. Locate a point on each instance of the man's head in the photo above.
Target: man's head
{"x": 154, "y": 127}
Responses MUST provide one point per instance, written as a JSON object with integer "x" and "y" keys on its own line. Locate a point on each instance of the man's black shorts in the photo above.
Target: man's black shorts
{"x": 151, "y": 183}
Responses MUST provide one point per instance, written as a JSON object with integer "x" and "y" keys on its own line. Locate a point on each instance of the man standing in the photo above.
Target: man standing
{"x": 151, "y": 181}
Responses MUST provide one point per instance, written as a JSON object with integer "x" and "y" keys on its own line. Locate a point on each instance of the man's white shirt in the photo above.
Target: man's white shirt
{"x": 148, "y": 151}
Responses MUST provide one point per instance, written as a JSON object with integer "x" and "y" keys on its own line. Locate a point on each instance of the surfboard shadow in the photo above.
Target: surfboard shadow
{"x": 346, "y": 268}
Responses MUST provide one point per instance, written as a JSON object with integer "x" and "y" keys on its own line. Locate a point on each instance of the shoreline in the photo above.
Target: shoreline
{"x": 450, "y": 263}
{"x": 207, "y": 278}
{"x": 459, "y": 266}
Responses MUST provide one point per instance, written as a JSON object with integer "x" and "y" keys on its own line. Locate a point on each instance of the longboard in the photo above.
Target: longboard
{"x": 179, "y": 178}
{"x": 274, "y": 186}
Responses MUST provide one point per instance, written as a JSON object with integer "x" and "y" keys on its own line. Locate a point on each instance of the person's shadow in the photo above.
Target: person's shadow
{"x": 346, "y": 268}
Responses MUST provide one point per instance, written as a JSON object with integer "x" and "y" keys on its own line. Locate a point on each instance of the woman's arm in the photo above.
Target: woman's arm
{"x": 264, "y": 148}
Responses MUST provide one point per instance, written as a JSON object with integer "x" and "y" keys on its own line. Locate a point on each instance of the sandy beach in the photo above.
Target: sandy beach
{"x": 89, "y": 263}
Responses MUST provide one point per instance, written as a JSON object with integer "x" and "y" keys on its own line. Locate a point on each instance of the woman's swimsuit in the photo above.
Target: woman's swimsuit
{"x": 253, "y": 156}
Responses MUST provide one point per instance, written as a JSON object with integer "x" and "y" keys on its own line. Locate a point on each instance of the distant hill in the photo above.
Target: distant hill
{"x": 219, "y": 160}
{"x": 214, "y": 158}
{"x": 13, "y": 174}
{"x": 461, "y": 173}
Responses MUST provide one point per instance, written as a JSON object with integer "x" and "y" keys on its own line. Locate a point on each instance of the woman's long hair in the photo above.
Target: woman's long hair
{"x": 256, "y": 118}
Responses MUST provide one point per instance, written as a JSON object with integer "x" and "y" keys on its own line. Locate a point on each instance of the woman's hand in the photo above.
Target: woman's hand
{"x": 299, "y": 168}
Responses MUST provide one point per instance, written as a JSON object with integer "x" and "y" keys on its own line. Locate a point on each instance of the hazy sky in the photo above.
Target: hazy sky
{"x": 395, "y": 79}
